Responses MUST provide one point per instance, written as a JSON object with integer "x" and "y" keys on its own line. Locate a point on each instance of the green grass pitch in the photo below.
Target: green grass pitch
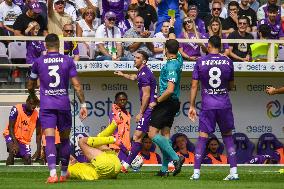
{"x": 211, "y": 177}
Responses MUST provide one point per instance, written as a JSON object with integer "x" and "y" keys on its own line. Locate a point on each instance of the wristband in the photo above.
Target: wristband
{"x": 171, "y": 30}
{"x": 84, "y": 105}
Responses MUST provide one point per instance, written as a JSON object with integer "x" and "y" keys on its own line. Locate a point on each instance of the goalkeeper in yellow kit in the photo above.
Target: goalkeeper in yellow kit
{"x": 104, "y": 163}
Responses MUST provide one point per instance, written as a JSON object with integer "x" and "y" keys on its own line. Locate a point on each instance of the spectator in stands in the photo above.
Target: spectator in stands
{"x": 137, "y": 32}
{"x": 163, "y": 8}
{"x": 87, "y": 27}
{"x": 149, "y": 157}
{"x": 81, "y": 5}
{"x": 127, "y": 23}
{"x": 148, "y": 13}
{"x": 203, "y": 7}
{"x": 259, "y": 51}
{"x": 240, "y": 51}
{"x": 183, "y": 6}
{"x": 57, "y": 18}
{"x": 282, "y": 19}
{"x": 192, "y": 13}
{"x": 158, "y": 46}
{"x": 215, "y": 28}
{"x": 20, "y": 3}
{"x": 190, "y": 51}
{"x": 272, "y": 22}
{"x": 254, "y": 4}
{"x": 32, "y": 14}
{"x": 230, "y": 23}
{"x": 23, "y": 120}
{"x": 180, "y": 145}
{"x": 109, "y": 50}
{"x": 215, "y": 12}
{"x": 224, "y": 11}
{"x": 149, "y": 2}
{"x": 70, "y": 47}
{"x": 9, "y": 13}
{"x": 213, "y": 157}
{"x": 245, "y": 10}
{"x": 34, "y": 48}
{"x": 262, "y": 11}
{"x": 115, "y": 6}
{"x": 69, "y": 8}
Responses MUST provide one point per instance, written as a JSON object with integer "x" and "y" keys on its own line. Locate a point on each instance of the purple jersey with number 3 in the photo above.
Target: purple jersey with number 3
{"x": 145, "y": 77}
{"x": 214, "y": 71}
{"x": 54, "y": 71}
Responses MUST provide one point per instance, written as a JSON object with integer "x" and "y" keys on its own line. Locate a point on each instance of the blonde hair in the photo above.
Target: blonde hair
{"x": 85, "y": 11}
{"x": 185, "y": 33}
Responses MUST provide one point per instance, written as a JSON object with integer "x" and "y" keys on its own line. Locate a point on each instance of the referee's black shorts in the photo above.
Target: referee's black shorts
{"x": 164, "y": 113}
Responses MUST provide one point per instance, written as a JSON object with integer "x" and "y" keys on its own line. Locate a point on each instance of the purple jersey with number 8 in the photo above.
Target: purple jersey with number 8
{"x": 54, "y": 71}
{"x": 214, "y": 71}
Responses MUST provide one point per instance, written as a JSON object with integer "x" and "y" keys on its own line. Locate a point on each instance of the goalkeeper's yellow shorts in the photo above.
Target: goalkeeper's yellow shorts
{"x": 105, "y": 166}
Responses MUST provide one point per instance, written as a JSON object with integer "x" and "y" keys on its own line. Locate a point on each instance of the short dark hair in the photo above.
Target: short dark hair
{"x": 32, "y": 96}
{"x": 272, "y": 8}
{"x": 120, "y": 93}
{"x": 52, "y": 40}
{"x": 215, "y": 41}
{"x": 211, "y": 139}
{"x": 233, "y": 3}
{"x": 243, "y": 17}
{"x": 172, "y": 46}
{"x": 144, "y": 54}
{"x": 265, "y": 30}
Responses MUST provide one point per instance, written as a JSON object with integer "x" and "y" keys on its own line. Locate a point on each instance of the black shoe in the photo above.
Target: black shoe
{"x": 162, "y": 174}
{"x": 178, "y": 165}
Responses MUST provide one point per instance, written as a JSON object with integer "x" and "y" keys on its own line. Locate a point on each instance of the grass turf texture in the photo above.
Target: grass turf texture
{"x": 211, "y": 177}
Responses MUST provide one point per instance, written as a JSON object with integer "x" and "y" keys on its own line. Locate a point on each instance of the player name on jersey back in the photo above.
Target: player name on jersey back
{"x": 215, "y": 62}
{"x": 53, "y": 60}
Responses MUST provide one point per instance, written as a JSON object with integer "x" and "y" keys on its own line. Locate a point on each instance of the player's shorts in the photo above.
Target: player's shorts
{"x": 143, "y": 124}
{"x": 105, "y": 166}
{"x": 62, "y": 119}
{"x": 24, "y": 149}
{"x": 164, "y": 113}
{"x": 223, "y": 117}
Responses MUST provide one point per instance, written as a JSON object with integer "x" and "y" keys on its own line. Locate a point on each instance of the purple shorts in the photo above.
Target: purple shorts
{"x": 143, "y": 124}
{"x": 24, "y": 149}
{"x": 62, "y": 119}
{"x": 209, "y": 118}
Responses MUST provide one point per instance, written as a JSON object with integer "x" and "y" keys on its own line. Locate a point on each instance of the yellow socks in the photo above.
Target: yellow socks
{"x": 99, "y": 141}
{"x": 109, "y": 130}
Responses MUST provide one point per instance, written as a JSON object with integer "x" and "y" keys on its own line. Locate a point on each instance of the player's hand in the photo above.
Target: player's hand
{"x": 138, "y": 117}
{"x": 192, "y": 114}
{"x": 83, "y": 113}
{"x": 270, "y": 90}
{"x": 119, "y": 73}
{"x": 172, "y": 22}
{"x": 152, "y": 105}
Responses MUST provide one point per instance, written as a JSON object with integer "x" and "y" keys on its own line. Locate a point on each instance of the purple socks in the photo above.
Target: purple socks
{"x": 231, "y": 152}
{"x": 65, "y": 153}
{"x": 135, "y": 149}
{"x": 199, "y": 151}
{"x": 50, "y": 152}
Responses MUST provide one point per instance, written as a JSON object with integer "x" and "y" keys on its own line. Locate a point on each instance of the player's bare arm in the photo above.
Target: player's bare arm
{"x": 80, "y": 94}
{"x": 38, "y": 141}
{"x": 15, "y": 147}
{"x": 193, "y": 93}
{"x": 145, "y": 102}
{"x": 167, "y": 93}
{"x": 172, "y": 35}
{"x": 31, "y": 85}
{"x": 132, "y": 77}
{"x": 273, "y": 90}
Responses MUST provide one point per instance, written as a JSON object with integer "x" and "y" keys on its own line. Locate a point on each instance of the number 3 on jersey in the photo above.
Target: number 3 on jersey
{"x": 215, "y": 74}
{"x": 53, "y": 73}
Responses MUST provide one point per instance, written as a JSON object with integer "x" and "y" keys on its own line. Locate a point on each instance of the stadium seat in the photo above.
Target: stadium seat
{"x": 244, "y": 147}
{"x": 190, "y": 145}
{"x": 280, "y": 54}
{"x": 3, "y": 50}
{"x": 83, "y": 51}
{"x": 17, "y": 50}
{"x": 267, "y": 144}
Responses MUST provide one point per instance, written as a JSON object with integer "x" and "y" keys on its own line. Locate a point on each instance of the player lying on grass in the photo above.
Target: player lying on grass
{"x": 104, "y": 163}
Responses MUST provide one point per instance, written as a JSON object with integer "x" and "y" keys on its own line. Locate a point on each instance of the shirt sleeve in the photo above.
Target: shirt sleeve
{"x": 127, "y": 35}
{"x": 72, "y": 69}
{"x": 13, "y": 114}
{"x": 100, "y": 34}
{"x": 76, "y": 49}
{"x": 34, "y": 70}
{"x": 195, "y": 74}
{"x": 144, "y": 80}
